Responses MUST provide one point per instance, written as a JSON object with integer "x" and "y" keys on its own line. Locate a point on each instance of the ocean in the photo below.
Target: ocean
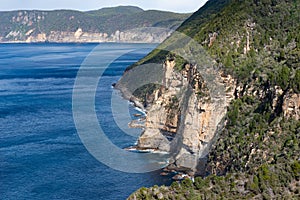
{"x": 41, "y": 154}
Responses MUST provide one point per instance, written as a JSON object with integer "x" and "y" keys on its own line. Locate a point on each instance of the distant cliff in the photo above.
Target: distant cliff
{"x": 119, "y": 24}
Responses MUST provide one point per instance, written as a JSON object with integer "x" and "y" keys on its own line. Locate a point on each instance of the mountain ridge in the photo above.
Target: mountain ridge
{"x": 103, "y": 25}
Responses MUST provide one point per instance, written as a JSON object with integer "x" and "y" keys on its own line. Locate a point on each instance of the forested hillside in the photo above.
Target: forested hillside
{"x": 257, "y": 154}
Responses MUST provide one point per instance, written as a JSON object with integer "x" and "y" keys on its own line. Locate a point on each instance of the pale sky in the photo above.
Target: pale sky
{"x": 169, "y": 5}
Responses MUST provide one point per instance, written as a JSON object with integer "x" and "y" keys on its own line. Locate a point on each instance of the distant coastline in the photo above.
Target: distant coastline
{"x": 124, "y": 24}
{"x": 100, "y": 42}
{"x": 142, "y": 35}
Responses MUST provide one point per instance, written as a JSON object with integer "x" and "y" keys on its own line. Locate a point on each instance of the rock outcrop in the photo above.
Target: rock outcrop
{"x": 142, "y": 35}
{"x": 182, "y": 119}
{"x": 254, "y": 153}
{"x": 291, "y": 106}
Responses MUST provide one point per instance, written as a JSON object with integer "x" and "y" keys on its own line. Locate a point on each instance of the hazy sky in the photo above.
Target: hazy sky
{"x": 170, "y": 5}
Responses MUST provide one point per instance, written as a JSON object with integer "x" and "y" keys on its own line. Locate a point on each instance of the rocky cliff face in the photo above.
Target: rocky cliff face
{"x": 142, "y": 35}
{"x": 183, "y": 119}
{"x": 256, "y": 154}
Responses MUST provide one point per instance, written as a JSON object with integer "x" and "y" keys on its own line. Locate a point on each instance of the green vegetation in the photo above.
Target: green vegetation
{"x": 257, "y": 153}
{"x": 267, "y": 182}
{"x": 253, "y": 137}
{"x": 273, "y": 56}
{"x": 106, "y": 20}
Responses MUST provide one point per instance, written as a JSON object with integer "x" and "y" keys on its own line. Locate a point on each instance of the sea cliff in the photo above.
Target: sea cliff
{"x": 254, "y": 47}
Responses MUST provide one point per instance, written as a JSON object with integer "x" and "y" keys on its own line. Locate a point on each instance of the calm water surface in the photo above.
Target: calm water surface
{"x": 41, "y": 155}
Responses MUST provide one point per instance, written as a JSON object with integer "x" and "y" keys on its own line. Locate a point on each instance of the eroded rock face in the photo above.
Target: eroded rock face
{"x": 131, "y": 36}
{"x": 291, "y": 106}
{"x": 287, "y": 101}
{"x": 163, "y": 114}
{"x": 152, "y": 138}
{"x": 183, "y": 117}
{"x": 183, "y": 120}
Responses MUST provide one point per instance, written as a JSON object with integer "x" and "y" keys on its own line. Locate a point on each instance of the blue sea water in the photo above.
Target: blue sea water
{"x": 41, "y": 155}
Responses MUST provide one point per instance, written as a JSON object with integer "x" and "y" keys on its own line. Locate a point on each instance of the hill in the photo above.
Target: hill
{"x": 255, "y": 46}
{"x": 106, "y": 24}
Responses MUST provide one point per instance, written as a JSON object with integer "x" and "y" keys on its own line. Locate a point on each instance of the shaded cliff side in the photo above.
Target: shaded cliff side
{"x": 118, "y": 24}
{"x": 255, "y": 47}
{"x": 183, "y": 117}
